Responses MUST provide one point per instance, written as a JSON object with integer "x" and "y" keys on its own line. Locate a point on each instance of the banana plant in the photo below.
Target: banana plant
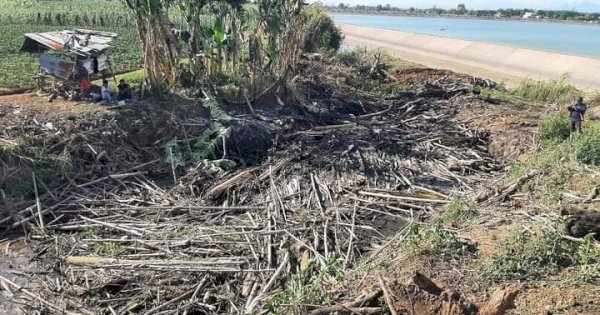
{"x": 215, "y": 37}
{"x": 161, "y": 52}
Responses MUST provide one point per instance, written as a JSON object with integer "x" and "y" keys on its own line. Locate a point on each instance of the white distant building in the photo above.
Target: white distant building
{"x": 529, "y": 15}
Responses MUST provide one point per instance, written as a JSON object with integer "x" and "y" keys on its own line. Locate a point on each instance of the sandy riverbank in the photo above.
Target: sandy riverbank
{"x": 497, "y": 62}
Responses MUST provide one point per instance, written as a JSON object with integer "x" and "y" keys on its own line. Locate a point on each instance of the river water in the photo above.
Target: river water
{"x": 576, "y": 39}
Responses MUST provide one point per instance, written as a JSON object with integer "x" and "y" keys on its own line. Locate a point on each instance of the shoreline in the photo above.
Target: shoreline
{"x": 501, "y": 63}
{"x": 475, "y": 41}
{"x": 462, "y": 17}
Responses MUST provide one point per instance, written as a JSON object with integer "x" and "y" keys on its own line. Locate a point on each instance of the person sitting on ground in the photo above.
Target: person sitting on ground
{"x": 108, "y": 94}
{"x": 124, "y": 91}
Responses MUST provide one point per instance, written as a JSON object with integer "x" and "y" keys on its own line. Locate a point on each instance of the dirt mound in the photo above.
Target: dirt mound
{"x": 249, "y": 140}
{"x": 511, "y": 127}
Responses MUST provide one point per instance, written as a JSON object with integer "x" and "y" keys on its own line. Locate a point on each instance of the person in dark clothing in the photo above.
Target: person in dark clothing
{"x": 576, "y": 115}
{"x": 82, "y": 76}
{"x": 124, "y": 91}
{"x": 95, "y": 65}
{"x": 581, "y": 107}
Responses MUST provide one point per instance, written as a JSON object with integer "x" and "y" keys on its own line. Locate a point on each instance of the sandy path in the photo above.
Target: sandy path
{"x": 497, "y": 62}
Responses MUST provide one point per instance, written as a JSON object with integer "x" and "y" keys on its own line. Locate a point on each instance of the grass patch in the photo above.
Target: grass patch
{"x": 559, "y": 91}
{"x": 108, "y": 249}
{"x": 561, "y": 172}
{"x": 357, "y": 56}
{"x": 458, "y": 211}
{"x": 501, "y": 95}
{"x": 386, "y": 89}
{"x": 544, "y": 160}
{"x": 534, "y": 257}
{"x": 561, "y": 159}
{"x": 308, "y": 287}
{"x": 395, "y": 64}
{"x": 436, "y": 239}
{"x": 133, "y": 78}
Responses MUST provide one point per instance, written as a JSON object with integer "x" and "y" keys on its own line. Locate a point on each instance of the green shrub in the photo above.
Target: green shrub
{"x": 529, "y": 257}
{"x": 320, "y": 32}
{"x": 348, "y": 56}
{"x": 525, "y": 257}
{"x": 362, "y": 83}
{"x": 554, "y": 129}
{"x": 588, "y": 256}
{"x": 359, "y": 57}
{"x": 587, "y": 145}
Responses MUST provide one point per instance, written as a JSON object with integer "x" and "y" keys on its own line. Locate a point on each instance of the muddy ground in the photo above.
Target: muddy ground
{"x": 338, "y": 161}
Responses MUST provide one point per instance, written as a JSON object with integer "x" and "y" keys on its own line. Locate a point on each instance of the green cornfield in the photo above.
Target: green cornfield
{"x": 18, "y": 17}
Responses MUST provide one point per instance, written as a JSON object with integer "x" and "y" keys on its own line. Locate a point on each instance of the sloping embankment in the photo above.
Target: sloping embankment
{"x": 497, "y": 62}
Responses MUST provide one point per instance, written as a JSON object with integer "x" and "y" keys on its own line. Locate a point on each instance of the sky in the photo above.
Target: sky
{"x": 579, "y": 5}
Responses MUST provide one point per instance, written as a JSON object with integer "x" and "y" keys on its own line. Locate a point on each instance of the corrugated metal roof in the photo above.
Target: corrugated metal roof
{"x": 79, "y": 41}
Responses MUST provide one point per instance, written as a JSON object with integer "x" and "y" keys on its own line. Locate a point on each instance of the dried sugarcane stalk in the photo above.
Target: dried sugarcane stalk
{"x": 387, "y": 294}
{"x": 40, "y": 299}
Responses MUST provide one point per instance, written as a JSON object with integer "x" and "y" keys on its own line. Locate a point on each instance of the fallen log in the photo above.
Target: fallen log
{"x": 219, "y": 189}
{"x": 502, "y": 193}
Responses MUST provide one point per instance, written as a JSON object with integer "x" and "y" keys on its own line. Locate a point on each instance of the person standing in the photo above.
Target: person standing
{"x": 576, "y": 115}
{"x": 581, "y": 107}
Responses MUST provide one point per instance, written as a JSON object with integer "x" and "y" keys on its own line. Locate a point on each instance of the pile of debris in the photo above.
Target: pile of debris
{"x": 116, "y": 240}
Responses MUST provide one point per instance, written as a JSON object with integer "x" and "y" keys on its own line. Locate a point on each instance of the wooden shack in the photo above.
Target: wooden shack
{"x": 62, "y": 51}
